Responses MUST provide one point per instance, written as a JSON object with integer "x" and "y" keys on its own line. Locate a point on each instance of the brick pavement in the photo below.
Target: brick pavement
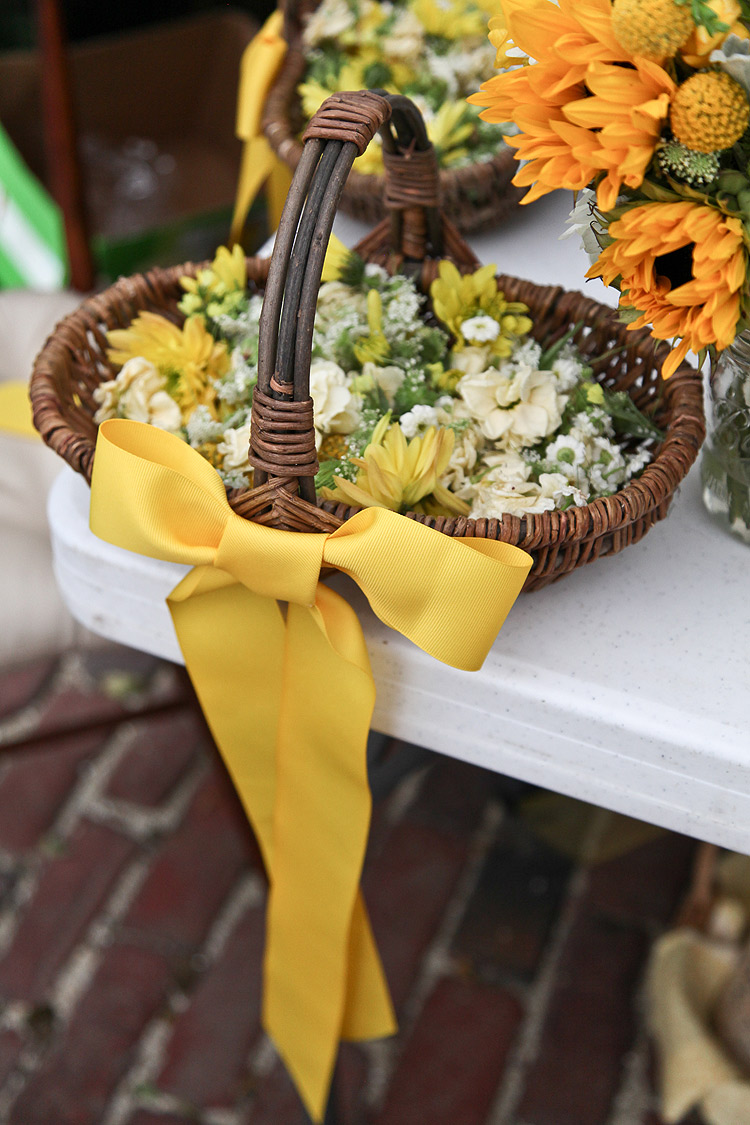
{"x": 514, "y": 929}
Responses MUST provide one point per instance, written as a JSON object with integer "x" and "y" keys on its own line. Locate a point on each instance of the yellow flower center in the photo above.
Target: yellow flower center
{"x": 652, "y": 29}
{"x": 333, "y": 447}
{"x": 709, "y": 112}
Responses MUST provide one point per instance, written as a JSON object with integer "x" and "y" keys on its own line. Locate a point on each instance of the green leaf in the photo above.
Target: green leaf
{"x": 553, "y": 351}
{"x": 627, "y": 418}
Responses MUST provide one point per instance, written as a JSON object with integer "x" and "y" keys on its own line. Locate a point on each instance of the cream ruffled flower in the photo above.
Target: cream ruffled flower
{"x": 388, "y": 378}
{"x": 336, "y": 408}
{"x": 139, "y": 393}
{"x": 519, "y": 409}
{"x": 235, "y": 448}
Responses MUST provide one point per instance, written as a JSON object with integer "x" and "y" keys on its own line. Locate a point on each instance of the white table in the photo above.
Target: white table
{"x": 625, "y": 684}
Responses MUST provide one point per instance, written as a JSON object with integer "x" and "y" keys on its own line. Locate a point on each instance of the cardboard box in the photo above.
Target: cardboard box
{"x": 156, "y": 116}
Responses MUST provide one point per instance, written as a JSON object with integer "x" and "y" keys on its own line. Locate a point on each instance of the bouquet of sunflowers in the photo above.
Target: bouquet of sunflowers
{"x": 443, "y": 405}
{"x": 642, "y": 108}
{"x": 434, "y": 53}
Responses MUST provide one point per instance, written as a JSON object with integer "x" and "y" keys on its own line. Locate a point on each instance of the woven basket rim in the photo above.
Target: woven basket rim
{"x": 574, "y": 525}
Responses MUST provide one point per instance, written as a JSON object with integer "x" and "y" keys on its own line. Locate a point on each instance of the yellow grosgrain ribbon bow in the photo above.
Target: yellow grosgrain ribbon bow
{"x": 260, "y": 64}
{"x": 289, "y": 701}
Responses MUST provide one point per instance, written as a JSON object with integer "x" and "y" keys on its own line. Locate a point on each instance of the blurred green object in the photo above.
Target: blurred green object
{"x": 32, "y": 239}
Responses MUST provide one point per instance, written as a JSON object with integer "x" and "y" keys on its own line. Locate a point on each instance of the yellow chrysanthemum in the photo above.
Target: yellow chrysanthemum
{"x": 564, "y": 141}
{"x": 451, "y": 19}
{"x": 709, "y": 112}
{"x": 373, "y": 348}
{"x": 697, "y": 50}
{"x": 652, "y": 29}
{"x": 227, "y": 273}
{"x": 448, "y": 130}
{"x": 681, "y": 266}
{"x": 189, "y": 356}
{"x": 397, "y": 474}
{"x": 457, "y": 298}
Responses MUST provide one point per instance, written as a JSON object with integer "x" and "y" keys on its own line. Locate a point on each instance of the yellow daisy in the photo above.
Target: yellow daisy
{"x": 681, "y": 266}
{"x": 457, "y": 298}
{"x": 397, "y": 474}
{"x": 189, "y": 356}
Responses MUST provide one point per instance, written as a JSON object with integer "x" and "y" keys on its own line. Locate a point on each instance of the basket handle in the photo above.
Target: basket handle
{"x": 282, "y": 446}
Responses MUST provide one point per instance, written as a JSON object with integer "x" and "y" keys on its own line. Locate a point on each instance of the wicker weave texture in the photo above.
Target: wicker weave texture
{"x": 74, "y": 361}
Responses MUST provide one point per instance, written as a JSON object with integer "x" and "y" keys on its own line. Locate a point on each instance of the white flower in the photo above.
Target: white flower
{"x": 471, "y": 360}
{"x": 373, "y": 270}
{"x": 585, "y": 221}
{"x": 418, "y": 418}
{"x": 202, "y": 427}
{"x": 566, "y": 448}
{"x": 498, "y": 497}
{"x": 235, "y": 448}
{"x": 329, "y": 19}
{"x": 138, "y": 392}
{"x": 520, "y": 409}
{"x": 336, "y": 408}
{"x": 568, "y": 372}
{"x": 405, "y": 39}
{"x": 508, "y": 466}
{"x": 480, "y": 329}
{"x": 557, "y": 488}
{"x": 388, "y": 378}
{"x": 734, "y": 57}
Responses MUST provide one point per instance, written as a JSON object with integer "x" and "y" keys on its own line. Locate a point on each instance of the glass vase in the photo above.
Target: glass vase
{"x": 725, "y": 459}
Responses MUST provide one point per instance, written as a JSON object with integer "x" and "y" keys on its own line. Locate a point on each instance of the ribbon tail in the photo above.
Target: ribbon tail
{"x": 233, "y": 644}
{"x": 322, "y": 971}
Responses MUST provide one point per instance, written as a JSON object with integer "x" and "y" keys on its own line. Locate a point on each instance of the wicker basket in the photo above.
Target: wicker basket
{"x": 414, "y": 237}
{"x": 478, "y": 196}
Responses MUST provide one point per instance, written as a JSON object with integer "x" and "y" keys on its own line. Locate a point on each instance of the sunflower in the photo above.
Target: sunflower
{"x": 190, "y": 357}
{"x": 564, "y": 141}
{"x": 681, "y": 266}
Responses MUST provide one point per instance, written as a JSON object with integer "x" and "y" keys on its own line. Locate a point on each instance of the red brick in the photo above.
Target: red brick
{"x": 34, "y": 783}
{"x": 163, "y": 748}
{"x": 145, "y": 1117}
{"x": 11, "y": 1046}
{"x": 453, "y": 796}
{"x": 407, "y": 888}
{"x": 277, "y": 1102}
{"x": 590, "y": 1025}
{"x": 194, "y": 871}
{"x": 77, "y": 1079}
{"x": 20, "y": 686}
{"x": 647, "y": 883}
{"x": 507, "y": 921}
{"x": 453, "y": 1062}
{"x": 71, "y": 890}
{"x": 349, "y": 1083}
{"x": 206, "y": 1059}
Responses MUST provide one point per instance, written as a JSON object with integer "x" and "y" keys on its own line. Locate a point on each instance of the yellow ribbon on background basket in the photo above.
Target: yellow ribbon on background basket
{"x": 15, "y": 410}
{"x": 289, "y": 700}
{"x": 260, "y": 64}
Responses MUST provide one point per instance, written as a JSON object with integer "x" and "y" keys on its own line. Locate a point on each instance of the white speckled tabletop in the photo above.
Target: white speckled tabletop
{"x": 626, "y": 684}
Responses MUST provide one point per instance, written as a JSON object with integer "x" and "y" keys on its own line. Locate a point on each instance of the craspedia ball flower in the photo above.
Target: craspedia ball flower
{"x": 652, "y": 29}
{"x": 709, "y": 111}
